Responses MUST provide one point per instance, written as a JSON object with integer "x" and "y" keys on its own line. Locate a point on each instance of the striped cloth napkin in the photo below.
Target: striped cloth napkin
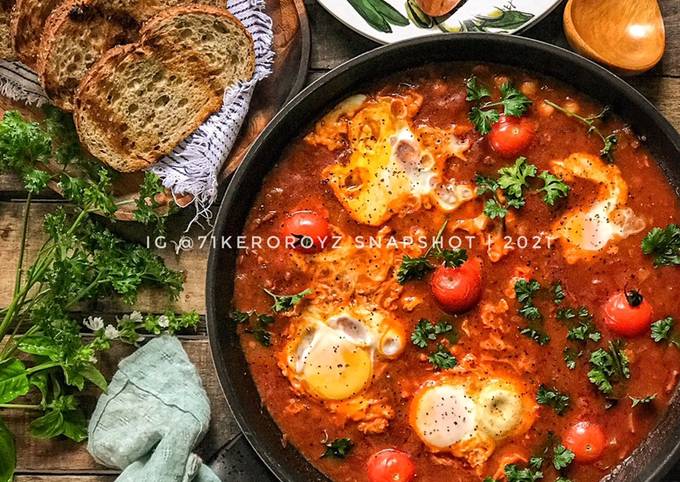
{"x": 194, "y": 165}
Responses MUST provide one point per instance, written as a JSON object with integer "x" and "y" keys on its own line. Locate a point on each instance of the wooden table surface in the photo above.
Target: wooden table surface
{"x": 332, "y": 44}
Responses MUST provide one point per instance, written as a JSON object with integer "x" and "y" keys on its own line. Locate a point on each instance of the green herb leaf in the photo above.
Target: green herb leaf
{"x": 493, "y": 209}
{"x": 514, "y": 474}
{"x": 570, "y": 356}
{"x": 13, "y": 380}
{"x": 552, "y": 397}
{"x": 442, "y": 358}
{"x": 287, "y": 302}
{"x": 413, "y": 269}
{"x": 583, "y": 332}
{"x": 608, "y": 367}
{"x": 664, "y": 245}
{"x": 553, "y": 187}
{"x": 483, "y": 120}
{"x": 514, "y": 179}
{"x": 8, "y": 454}
{"x": 423, "y": 333}
{"x": 338, "y": 448}
{"x": 475, "y": 90}
{"x": 562, "y": 457}
{"x": 558, "y": 293}
{"x": 514, "y": 102}
{"x": 452, "y": 258}
{"x": 642, "y": 401}
{"x": 661, "y": 329}
{"x": 536, "y": 334}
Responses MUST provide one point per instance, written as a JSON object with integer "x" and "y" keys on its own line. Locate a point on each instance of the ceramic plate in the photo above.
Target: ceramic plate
{"x": 387, "y": 21}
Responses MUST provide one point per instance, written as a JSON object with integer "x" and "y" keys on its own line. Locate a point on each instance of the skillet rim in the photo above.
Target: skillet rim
{"x": 286, "y": 463}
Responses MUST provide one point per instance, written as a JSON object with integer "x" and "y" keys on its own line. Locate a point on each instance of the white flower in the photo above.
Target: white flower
{"x": 94, "y": 323}
{"x": 136, "y": 316}
{"x": 111, "y": 332}
{"x": 163, "y": 321}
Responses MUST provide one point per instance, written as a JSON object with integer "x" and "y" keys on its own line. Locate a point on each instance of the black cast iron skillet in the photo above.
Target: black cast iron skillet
{"x": 659, "y": 451}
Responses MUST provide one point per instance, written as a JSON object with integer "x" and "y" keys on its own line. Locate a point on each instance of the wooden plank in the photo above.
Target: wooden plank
{"x": 63, "y": 455}
{"x": 66, "y": 478}
{"x": 192, "y": 262}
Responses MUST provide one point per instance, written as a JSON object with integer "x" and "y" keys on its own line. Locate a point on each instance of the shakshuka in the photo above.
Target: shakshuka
{"x": 464, "y": 272}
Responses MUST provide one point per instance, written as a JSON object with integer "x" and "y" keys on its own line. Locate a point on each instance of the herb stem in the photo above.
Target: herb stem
{"x": 41, "y": 367}
{"x": 18, "y": 406}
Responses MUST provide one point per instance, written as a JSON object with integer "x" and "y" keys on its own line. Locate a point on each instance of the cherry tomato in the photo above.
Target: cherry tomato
{"x": 308, "y": 231}
{"x": 628, "y": 314}
{"x": 391, "y": 465}
{"x": 511, "y": 135}
{"x": 586, "y": 440}
{"x": 458, "y": 289}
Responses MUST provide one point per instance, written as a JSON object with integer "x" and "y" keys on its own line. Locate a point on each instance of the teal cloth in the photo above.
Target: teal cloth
{"x": 153, "y": 415}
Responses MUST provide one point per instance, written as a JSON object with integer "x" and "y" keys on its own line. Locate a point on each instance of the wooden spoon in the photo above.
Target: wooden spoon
{"x": 626, "y": 35}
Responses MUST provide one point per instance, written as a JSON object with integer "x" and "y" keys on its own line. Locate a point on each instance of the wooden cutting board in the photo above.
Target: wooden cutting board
{"x": 292, "y": 49}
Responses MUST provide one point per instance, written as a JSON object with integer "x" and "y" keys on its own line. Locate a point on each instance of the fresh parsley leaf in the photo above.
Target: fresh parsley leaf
{"x": 570, "y": 356}
{"x": 287, "y": 302}
{"x": 338, "y": 448}
{"x": 413, "y": 269}
{"x": 36, "y": 180}
{"x": 452, "y": 258}
{"x": 536, "y": 462}
{"x": 642, "y": 401}
{"x": 486, "y": 185}
{"x": 664, "y": 245}
{"x": 526, "y": 290}
{"x": 558, "y": 293}
{"x": 263, "y": 336}
{"x": 610, "y": 143}
{"x": 553, "y": 398}
{"x": 583, "y": 332}
{"x": 536, "y": 333}
{"x": 442, "y": 359}
{"x": 514, "y": 102}
{"x": 661, "y": 329}
{"x": 608, "y": 367}
{"x": 514, "y": 179}
{"x": 239, "y": 317}
{"x": 493, "y": 209}
{"x": 475, "y": 90}
{"x": 562, "y": 457}
{"x": 483, "y": 120}
{"x": 553, "y": 187}
{"x": 514, "y": 474}
{"x": 423, "y": 333}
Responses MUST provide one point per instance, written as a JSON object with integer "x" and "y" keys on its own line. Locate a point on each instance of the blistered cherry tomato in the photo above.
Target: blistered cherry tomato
{"x": 510, "y": 136}
{"x": 308, "y": 231}
{"x": 458, "y": 289}
{"x": 628, "y": 314}
{"x": 391, "y": 465}
{"x": 586, "y": 440}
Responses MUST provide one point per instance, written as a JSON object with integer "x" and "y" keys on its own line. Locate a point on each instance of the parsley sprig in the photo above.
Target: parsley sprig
{"x": 416, "y": 268}
{"x": 338, "y": 448}
{"x": 513, "y": 182}
{"x": 608, "y": 367}
{"x": 485, "y": 114}
{"x": 608, "y": 141}
{"x": 287, "y": 302}
{"x": 553, "y": 398}
{"x": 525, "y": 291}
{"x": 664, "y": 245}
{"x": 256, "y": 324}
{"x": 426, "y": 332}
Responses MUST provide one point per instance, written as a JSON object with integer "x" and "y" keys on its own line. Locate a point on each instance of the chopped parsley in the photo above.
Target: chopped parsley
{"x": 257, "y": 325}
{"x": 608, "y": 142}
{"x": 423, "y": 333}
{"x": 287, "y": 302}
{"x": 661, "y": 329}
{"x": 525, "y": 292}
{"x": 514, "y": 179}
{"x": 553, "y": 398}
{"x": 338, "y": 448}
{"x": 570, "y": 356}
{"x": 442, "y": 359}
{"x": 416, "y": 268}
{"x": 584, "y": 332}
{"x": 484, "y": 115}
{"x": 528, "y": 474}
{"x": 553, "y": 188}
{"x": 608, "y": 367}
{"x": 664, "y": 245}
{"x": 562, "y": 457}
{"x": 558, "y": 293}
{"x": 642, "y": 401}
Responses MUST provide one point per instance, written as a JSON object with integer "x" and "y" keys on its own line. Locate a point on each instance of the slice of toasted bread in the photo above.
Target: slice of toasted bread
{"x": 26, "y": 26}
{"x": 141, "y": 100}
{"x": 76, "y": 35}
{"x": 79, "y": 32}
{"x": 6, "y": 50}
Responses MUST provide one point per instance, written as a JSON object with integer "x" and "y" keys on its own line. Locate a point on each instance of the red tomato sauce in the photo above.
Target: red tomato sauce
{"x": 297, "y": 183}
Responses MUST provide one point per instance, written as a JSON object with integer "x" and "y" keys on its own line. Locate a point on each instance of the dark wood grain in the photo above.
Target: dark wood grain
{"x": 332, "y": 44}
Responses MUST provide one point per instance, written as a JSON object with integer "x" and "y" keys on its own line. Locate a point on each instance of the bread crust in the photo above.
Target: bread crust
{"x": 104, "y": 142}
{"x": 27, "y": 22}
